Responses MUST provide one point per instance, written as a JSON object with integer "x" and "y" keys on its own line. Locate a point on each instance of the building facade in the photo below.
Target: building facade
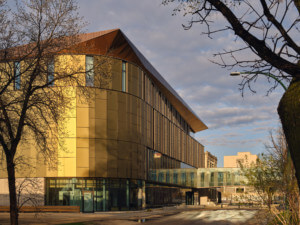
{"x": 244, "y": 158}
{"x": 210, "y": 161}
{"x": 132, "y": 124}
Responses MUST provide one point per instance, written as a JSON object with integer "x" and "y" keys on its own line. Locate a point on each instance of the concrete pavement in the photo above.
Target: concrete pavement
{"x": 166, "y": 215}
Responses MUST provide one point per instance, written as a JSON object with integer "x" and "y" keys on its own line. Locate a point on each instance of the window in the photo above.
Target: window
{"x": 89, "y": 71}
{"x": 228, "y": 178}
{"x": 183, "y": 178}
{"x": 160, "y": 177}
{"x": 192, "y": 175}
{"x": 202, "y": 179}
{"x": 212, "y": 179}
{"x": 124, "y": 76}
{"x": 175, "y": 178}
{"x": 50, "y": 71}
{"x": 220, "y": 178}
{"x": 167, "y": 177}
{"x": 17, "y": 74}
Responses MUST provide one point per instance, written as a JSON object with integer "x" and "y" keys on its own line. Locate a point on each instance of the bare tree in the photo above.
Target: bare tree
{"x": 288, "y": 186}
{"x": 269, "y": 30}
{"x": 274, "y": 174}
{"x": 31, "y": 106}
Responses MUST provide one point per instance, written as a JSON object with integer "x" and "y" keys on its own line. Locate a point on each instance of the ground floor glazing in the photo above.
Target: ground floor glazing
{"x": 103, "y": 194}
{"x": 96, "y": 194}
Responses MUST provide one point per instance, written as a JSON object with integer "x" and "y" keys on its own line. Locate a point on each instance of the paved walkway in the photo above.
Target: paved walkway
{"x": 166, "y": 215}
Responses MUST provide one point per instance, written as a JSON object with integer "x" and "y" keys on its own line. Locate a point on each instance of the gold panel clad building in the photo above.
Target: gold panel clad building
{"x": 133, "y": 123}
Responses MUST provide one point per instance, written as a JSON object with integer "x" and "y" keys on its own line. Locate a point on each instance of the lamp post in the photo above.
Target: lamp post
{"x": 265, "y": 74}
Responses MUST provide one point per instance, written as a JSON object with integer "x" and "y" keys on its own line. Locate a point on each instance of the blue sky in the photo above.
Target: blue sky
{"x": 235, "y": 123}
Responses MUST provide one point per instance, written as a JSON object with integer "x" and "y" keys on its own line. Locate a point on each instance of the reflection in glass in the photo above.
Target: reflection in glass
{"x": 17, "y": 73}
{"x": 89, "y": 71}
{"x": 96, "y": 194}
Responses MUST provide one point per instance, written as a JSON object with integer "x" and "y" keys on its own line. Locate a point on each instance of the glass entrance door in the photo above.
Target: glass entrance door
{"x": 88, "y": 202}
{"x": 189, "y": 198}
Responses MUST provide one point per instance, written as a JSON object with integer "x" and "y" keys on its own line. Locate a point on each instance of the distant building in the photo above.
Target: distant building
{"x": 244, "y": 158}
{"x": 210, "y": 161}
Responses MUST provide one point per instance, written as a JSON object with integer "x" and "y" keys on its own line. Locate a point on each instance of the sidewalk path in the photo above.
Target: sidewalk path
{"x": 166, "y": 215}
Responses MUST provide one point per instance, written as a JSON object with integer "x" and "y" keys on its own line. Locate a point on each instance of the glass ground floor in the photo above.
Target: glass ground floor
{"x": 96, "y": 194}
{"x": 107, "y": 194}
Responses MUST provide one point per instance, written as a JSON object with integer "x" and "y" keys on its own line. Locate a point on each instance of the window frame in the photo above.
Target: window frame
{"x": 17, "y": 75}
{"x": 50, "y": 72}
{"x": 124, "y": 76}
{"x": 89, "y": 71}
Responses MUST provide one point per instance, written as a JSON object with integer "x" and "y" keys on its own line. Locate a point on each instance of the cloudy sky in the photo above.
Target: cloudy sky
{"x": 235, "y": 123}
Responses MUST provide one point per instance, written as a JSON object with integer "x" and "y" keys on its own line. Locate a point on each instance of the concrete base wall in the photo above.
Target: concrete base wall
{"x": 30, "y": 191}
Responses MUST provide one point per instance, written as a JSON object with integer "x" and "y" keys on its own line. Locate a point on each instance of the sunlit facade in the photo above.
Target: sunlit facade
{"x": 132, "y": 124}
{"x": 246, "y": 159}
{"x": 210, "y": 161}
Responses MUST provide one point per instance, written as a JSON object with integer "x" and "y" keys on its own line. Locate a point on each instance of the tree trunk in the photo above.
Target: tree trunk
{"x": 12, "y": 191}
{"x": 289, "y": 113}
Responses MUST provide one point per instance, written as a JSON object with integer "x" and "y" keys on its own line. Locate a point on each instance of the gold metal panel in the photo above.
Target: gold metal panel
{"x": 101, "y": 149}
{"x": 122, "y": 99}
{"x": 122, "y": 131}
{"x": 82, "y": 172}
{"x": 67, "y": 147}
{"x": 112, "y": 145}
{"x": 133, "y": 79}
{"x": 41, "y": 167}
{"x": 92, "y": 112}
{"x": 82, "y": 117}
{"x": 92, "y": 145}
{"x": 101, "y": 109}
{"x": 134, "y": 173}
{"x": 112, "y": 128}
{"x": 101, "y": 94}
{"x": 123, "y": 169}
{"x": 112, "y": 161}
{"x": 82, "y": 157}
{"x": 82, "y": 142}
{"x": 112, "y": 99}
{"x": 116, "y": 74}
{"x": 81, "y": 101}
{"x": 124, "y": 150}
{"x": 92, "y": 168}
{"x": 92, "y": 129}
{"x": 112, "y": 172}
{"x": 101, "y": 128}
{"x": 67, "y": 127}
{"x": 67, "y": 167}
{"x": 112, "y": 157}
{"x": 100, "y": 167}
{"x": 103, "y": 72}
{"x": 82, "y": 132}
{"x": 51, "y": 172}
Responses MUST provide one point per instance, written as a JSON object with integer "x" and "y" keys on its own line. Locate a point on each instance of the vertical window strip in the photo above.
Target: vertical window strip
{"x": 123, "y": 76}
{"x": 89, "y": 71}
{"x": 17, "y": 75}
{"x": 50, "y": 71}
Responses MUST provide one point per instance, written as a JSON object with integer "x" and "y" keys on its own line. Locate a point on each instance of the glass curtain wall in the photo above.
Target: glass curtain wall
{"x": 96, "y": 194}
{"x": 197, "y": 178}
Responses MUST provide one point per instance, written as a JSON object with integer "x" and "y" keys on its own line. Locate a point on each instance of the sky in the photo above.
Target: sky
{"x": 236, "y": 123}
